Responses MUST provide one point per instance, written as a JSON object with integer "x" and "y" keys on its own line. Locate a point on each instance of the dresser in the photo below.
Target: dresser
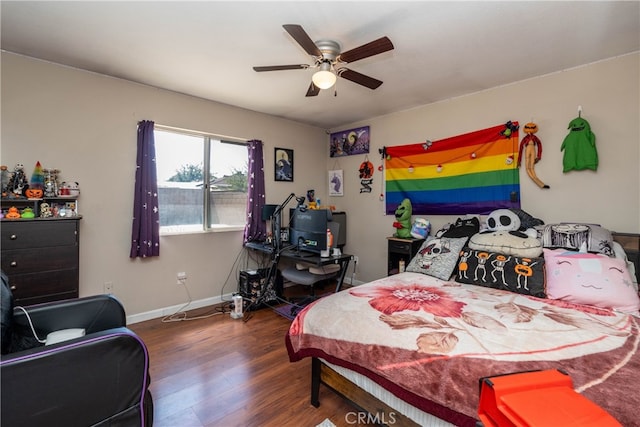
{"x": 41, "y": 258}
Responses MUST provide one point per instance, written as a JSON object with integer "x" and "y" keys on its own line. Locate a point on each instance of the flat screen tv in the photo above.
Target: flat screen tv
{"x": 308, "y": 229}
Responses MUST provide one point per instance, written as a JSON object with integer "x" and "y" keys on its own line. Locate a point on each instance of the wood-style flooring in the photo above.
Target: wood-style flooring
{"x": 220, "y": 371}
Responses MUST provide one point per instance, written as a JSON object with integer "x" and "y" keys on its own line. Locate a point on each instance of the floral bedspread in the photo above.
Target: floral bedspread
{"x": 429, "y": 342}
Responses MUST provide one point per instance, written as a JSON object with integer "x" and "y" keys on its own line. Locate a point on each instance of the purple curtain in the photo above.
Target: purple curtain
{"x": 145, "y": 233}
{"x": 255, "y": 228}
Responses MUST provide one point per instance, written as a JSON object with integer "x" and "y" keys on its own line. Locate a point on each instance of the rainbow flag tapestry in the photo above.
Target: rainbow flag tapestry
{"x": 474, "y": 173}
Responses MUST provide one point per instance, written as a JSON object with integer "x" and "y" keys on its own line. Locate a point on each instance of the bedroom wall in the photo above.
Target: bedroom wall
{"x": 609, "y": 93}
{"x": 85, "y": 125}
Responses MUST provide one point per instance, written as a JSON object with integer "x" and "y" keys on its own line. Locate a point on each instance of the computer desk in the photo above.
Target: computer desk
{"x": 309, "y": 257}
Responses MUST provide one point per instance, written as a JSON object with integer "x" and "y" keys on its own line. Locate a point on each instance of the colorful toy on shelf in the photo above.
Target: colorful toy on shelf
{"x": 17, "y": 182}
{"x": 45, "y": 210}
{"x": 403, "y": 220}
{"x": 36, "y": 184}
{"x": 13, "y": 213}
{"x": 28, "y": 213}
{"x": 51, "y": 182}
{"x": 69, "y": 189}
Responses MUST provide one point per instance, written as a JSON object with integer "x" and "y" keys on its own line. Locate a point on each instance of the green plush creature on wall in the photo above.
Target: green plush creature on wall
{"x": 403, "y": 220}
{"x": 579, "y": 147}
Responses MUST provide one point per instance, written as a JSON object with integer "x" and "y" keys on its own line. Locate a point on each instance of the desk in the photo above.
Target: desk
{"x": 343, "y": 260}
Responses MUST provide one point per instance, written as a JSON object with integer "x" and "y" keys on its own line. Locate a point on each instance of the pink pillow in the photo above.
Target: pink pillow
{"x": 591, "y": 279}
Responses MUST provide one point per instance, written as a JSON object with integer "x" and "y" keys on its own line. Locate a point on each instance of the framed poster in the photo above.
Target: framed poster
{"x": 335, "y": 183}
{"x": 283, "y": 164}
{"x": 349, "y": 142}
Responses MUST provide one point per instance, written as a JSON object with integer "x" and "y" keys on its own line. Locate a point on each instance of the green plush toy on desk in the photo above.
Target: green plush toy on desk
{"x": 403, "y": 220}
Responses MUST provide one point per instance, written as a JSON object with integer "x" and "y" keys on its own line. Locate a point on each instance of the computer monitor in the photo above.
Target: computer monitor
{"x": 308, "y": 229}
{"x": 340, "y": 238}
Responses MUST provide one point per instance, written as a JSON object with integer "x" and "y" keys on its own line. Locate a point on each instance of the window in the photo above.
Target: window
{"x": 188, "y": 201}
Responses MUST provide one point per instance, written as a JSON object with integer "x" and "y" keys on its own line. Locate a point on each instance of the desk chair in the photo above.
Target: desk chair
{"x": 309, "y": 276}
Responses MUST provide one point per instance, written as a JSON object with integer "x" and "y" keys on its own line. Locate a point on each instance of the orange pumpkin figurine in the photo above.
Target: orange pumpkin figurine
{"x": 13, "y": 213}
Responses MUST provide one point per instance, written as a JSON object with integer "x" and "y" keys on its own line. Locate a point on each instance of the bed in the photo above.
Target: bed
{"x": 411, "y": 348}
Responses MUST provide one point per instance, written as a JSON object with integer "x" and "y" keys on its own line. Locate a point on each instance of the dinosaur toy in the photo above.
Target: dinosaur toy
{"x": 532, "y": 152}
{"x": 403, "y": 220}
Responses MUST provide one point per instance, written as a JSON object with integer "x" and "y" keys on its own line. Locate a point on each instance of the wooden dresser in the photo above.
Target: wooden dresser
{"x": 41, "y": 258}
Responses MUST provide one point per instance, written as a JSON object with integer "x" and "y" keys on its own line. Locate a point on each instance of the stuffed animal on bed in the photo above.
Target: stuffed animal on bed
{"x": 402, "y": 223}
{"x": 503, "y": 235}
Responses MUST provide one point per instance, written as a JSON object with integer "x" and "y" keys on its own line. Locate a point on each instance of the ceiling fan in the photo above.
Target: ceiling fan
{"x": 329, "y": 60}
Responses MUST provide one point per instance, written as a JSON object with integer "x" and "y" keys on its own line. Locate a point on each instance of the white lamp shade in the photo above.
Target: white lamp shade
{"x": 324, "y": 79}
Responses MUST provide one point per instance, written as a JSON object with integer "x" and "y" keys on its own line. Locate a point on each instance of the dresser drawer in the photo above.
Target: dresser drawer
{"x": 32, "y": 288}
{"x": 21, "y": 261}
{"x": 399, "y": 246}
{"x": 23, "y": 234}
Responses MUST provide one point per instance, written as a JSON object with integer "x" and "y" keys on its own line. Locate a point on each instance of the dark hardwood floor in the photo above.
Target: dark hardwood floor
{"x": 219, "y": 371}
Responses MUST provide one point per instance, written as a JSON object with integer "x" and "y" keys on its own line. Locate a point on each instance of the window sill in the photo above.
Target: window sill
{"x": 178, "y": 231}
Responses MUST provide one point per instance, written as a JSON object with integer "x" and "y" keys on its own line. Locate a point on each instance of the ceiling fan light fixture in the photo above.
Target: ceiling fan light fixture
{"x": 324, "y": 78}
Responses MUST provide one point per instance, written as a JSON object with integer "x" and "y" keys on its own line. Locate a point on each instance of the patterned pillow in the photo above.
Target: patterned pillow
{"x": 573, "y": 235}
{"x": 591, "y": 279}
{"x": 437, "y": 257}
{"x": 502, "y": 271}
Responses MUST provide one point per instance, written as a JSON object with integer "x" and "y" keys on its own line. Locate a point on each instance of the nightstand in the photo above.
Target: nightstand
{"x": 401, "y": 250}
{"x": 630, "y": 242}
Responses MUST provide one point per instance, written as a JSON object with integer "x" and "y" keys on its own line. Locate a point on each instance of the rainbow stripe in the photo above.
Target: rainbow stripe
{"x": 474, "y": 173}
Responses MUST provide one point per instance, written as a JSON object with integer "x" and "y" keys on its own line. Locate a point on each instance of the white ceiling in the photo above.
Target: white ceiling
{"x": 208, "y": 48}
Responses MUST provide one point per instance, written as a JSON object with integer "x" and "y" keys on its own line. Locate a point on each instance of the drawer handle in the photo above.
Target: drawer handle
{"x": 14, "y": 264}
{"x": 13, "y": 237}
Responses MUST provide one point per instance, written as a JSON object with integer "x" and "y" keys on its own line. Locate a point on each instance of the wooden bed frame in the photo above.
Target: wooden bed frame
{"x": 364, "y": 401}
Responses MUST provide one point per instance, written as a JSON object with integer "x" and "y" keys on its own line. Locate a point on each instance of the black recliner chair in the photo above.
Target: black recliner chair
{"x": 99, "y": 379}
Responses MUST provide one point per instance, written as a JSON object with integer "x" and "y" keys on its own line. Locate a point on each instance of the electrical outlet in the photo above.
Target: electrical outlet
{"x": 108, "y": 287}
{"x": 182, "y": 278}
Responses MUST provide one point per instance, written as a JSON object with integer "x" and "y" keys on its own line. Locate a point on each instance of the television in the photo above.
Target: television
{"x": 308, "y": 229}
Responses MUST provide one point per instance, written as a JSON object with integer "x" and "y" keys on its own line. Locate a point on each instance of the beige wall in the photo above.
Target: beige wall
{"x": 85, "y": 124}
{"x": 608, "y": 92}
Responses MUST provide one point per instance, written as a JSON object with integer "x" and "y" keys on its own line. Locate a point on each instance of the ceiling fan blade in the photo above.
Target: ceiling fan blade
{"x": 303, "y": 39}
{"x": 313, "y": 90}
{"x": 281, "y": 67}
{"x": 375, "y": 47}
{"x": 359, "y": 78}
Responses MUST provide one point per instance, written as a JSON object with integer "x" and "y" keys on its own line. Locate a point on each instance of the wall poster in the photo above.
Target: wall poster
{"x": 283, "y": 167}
{"x": 335, "y": 183}
{"x": 349, "y": 142}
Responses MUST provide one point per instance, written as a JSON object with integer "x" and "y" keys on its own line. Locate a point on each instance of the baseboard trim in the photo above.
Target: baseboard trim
{"x": 167, "y": 311}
